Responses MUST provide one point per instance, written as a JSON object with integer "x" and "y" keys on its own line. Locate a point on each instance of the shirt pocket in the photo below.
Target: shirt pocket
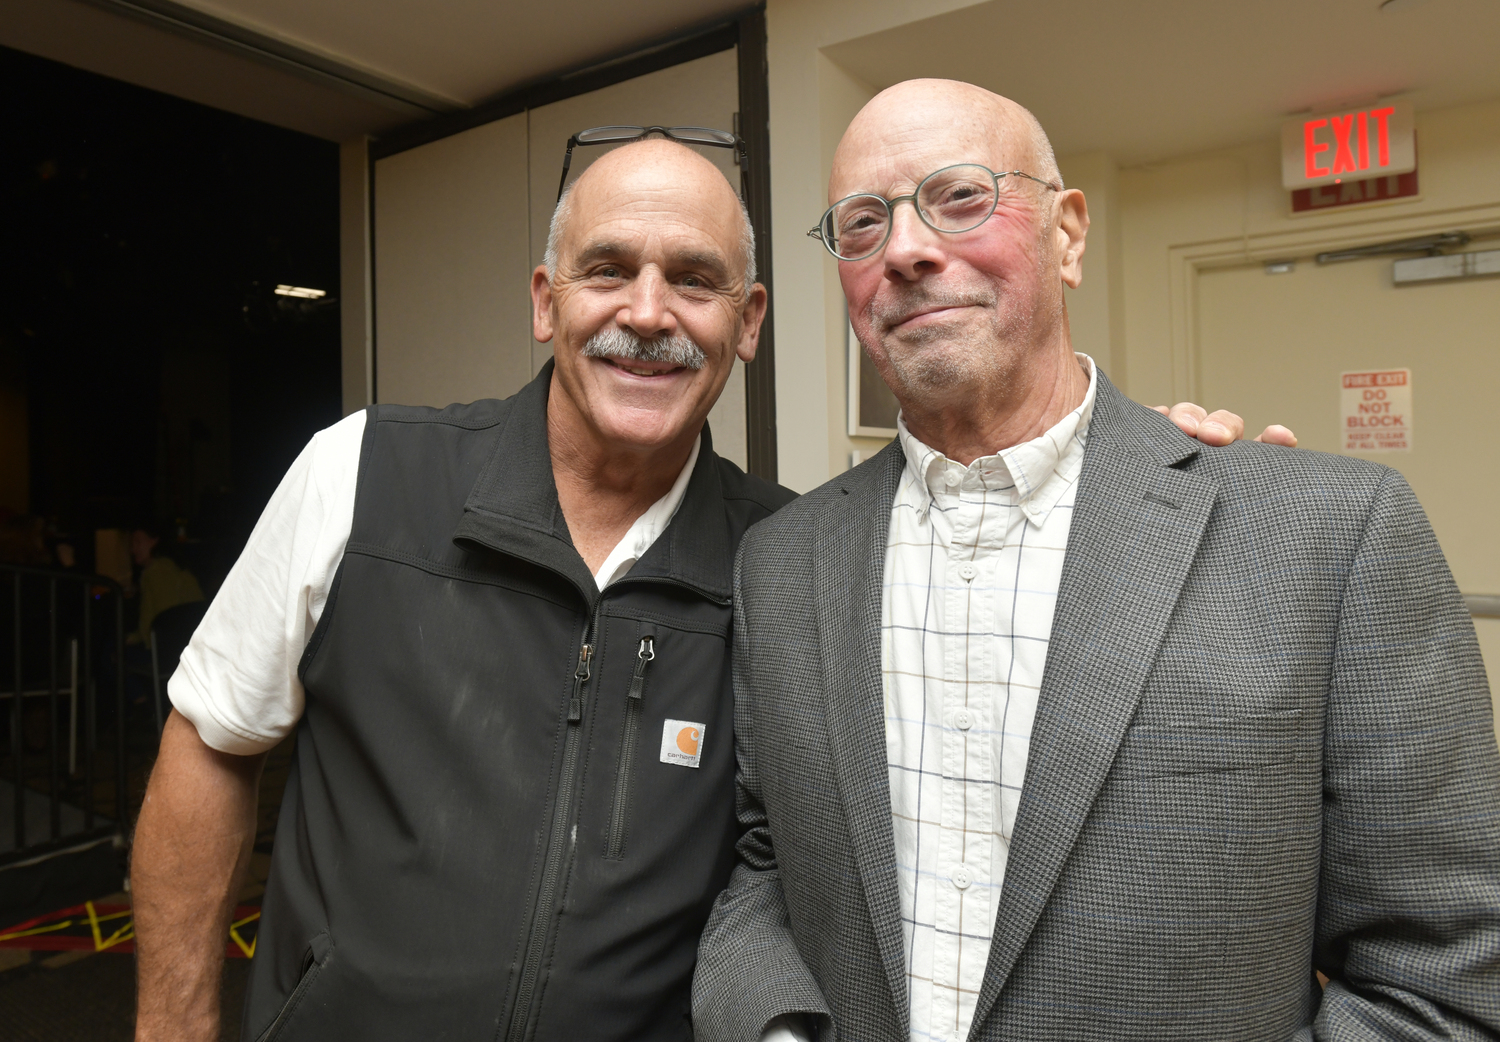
{"x": 1218, "y": 744}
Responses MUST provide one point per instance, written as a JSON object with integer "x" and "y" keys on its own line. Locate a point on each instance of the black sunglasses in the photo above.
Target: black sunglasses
{"x": 621, "y": 135}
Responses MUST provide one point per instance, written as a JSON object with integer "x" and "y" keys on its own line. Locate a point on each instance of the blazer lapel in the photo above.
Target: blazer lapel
{"x": 1136, "y": 527}
{"x": 849, "y": 569}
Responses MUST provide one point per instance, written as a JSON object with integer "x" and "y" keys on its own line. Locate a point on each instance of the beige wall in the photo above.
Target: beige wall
{"x": 840, "y": 96}
{"x": 452, "y": 268}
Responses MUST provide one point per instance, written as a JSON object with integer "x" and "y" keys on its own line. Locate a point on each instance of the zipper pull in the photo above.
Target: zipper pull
{"x": 645, "y": 655}
{"x": 580, "y": 677}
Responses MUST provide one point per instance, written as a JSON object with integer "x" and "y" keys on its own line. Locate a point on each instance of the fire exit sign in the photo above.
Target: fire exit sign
{"x": 1373, "y": 141}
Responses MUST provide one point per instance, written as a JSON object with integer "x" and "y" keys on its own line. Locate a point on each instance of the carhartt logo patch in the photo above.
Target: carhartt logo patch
{"x": 681, "y": 743}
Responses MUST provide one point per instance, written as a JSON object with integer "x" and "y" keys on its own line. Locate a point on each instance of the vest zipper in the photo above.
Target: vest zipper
{"x": 557, "y": 858}
{"x": 559, "y": 847}
{"x": 628, "y": 739}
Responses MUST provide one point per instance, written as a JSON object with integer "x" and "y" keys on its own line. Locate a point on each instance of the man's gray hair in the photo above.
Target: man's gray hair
{"x": 563, "y": 213}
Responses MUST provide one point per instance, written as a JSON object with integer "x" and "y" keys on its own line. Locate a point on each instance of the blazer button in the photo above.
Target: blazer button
{"x": 961, "y": 877}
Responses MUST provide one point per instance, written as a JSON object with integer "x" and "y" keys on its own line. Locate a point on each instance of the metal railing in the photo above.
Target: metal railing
{"x": 61, "y": 623}
{"x": 1483, "y": 605}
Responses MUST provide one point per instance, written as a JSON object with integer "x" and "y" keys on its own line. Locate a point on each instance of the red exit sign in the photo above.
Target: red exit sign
{"x": 1374, "y": 141}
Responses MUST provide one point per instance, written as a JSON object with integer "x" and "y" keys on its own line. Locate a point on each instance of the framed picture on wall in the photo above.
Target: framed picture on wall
{"x": 872, "y": 406}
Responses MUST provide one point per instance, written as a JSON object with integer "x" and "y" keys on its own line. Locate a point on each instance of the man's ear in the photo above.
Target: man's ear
{"x": 752, "y": 314}
{"x": 1072, "y": 230}
{"x": 541, "y": 304}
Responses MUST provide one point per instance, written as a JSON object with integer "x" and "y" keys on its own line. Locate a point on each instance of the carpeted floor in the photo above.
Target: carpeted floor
{"x": 49, "y": 996}
{"x": 91, "y": 999}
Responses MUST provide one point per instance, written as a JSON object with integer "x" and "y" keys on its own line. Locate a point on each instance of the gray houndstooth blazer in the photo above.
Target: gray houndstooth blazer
{"x": 1264, "y": 745}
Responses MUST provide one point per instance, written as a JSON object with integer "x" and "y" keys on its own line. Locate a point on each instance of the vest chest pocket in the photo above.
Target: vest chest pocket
{"x": 630, "y": 735}
{"x": 661, "y": 740}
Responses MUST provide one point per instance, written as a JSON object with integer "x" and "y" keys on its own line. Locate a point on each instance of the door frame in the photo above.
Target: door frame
{"x": 1187, "y": 261}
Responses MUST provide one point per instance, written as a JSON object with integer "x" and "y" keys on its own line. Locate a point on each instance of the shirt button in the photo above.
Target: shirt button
{"x": 961, "y": 877}
{"x": 963, "y": 719}
{"x": 952, "y": 478}
{"x": 968, "y": 571}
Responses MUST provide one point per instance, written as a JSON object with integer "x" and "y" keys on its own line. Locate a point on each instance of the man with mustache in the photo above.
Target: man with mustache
{"x": 501, "y": 632}
{"x": 1056, "y": 725}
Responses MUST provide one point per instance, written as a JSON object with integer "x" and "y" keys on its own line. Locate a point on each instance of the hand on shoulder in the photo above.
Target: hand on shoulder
{"x": 1221, "y": 427}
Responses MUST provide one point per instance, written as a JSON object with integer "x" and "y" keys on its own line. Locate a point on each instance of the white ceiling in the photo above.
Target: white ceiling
{"x": 458, "y": 52}
{"x": 471, "y": 50}
{"x": 94, "y": 39}
{"x": 1142, "y": 80}
{"x": 1158, "y": 78}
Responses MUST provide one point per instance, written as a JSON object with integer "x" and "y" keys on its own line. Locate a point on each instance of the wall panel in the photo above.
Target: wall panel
{"x": 452, "y": 268}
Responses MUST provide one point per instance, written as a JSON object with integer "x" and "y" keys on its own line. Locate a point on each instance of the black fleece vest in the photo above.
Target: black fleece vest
{"x": 490, "y": 832}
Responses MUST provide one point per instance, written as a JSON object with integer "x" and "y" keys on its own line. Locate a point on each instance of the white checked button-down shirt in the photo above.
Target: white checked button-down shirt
{"x": 971, "y": 574}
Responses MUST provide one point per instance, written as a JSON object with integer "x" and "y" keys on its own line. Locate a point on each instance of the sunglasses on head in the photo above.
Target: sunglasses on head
{"x": 623, "y": 135}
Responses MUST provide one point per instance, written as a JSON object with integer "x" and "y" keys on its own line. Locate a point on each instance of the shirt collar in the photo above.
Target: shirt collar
{"x": 1038, "y": 471}
{"x": 648, "y": 526}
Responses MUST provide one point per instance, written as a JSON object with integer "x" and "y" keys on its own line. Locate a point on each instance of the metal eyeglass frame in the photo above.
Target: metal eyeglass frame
{"x": 816, "y": 232}
{"x": 622, "y": 135}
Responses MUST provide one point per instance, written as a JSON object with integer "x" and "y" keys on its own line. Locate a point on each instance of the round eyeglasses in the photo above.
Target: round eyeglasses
{"x": 956, "y": 198}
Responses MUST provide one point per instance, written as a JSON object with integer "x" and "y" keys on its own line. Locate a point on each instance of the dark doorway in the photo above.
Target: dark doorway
{"x": 149, "y": 372}
{"x": 145, "y": 359}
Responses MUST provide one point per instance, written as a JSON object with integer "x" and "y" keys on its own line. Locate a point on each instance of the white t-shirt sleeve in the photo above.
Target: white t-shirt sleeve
{"x": 790, "y": 1028}
{"x": 237, "y": 681}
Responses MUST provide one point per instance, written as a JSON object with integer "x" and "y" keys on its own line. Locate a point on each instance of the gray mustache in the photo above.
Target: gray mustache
{"x": 628, "y": 345}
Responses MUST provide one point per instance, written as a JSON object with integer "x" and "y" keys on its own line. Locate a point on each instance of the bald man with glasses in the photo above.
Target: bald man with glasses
{"x": 1055, "y": 725}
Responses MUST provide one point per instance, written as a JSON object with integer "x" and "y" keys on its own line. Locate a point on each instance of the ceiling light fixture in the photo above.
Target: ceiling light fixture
{"x": 300, "y": 291}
